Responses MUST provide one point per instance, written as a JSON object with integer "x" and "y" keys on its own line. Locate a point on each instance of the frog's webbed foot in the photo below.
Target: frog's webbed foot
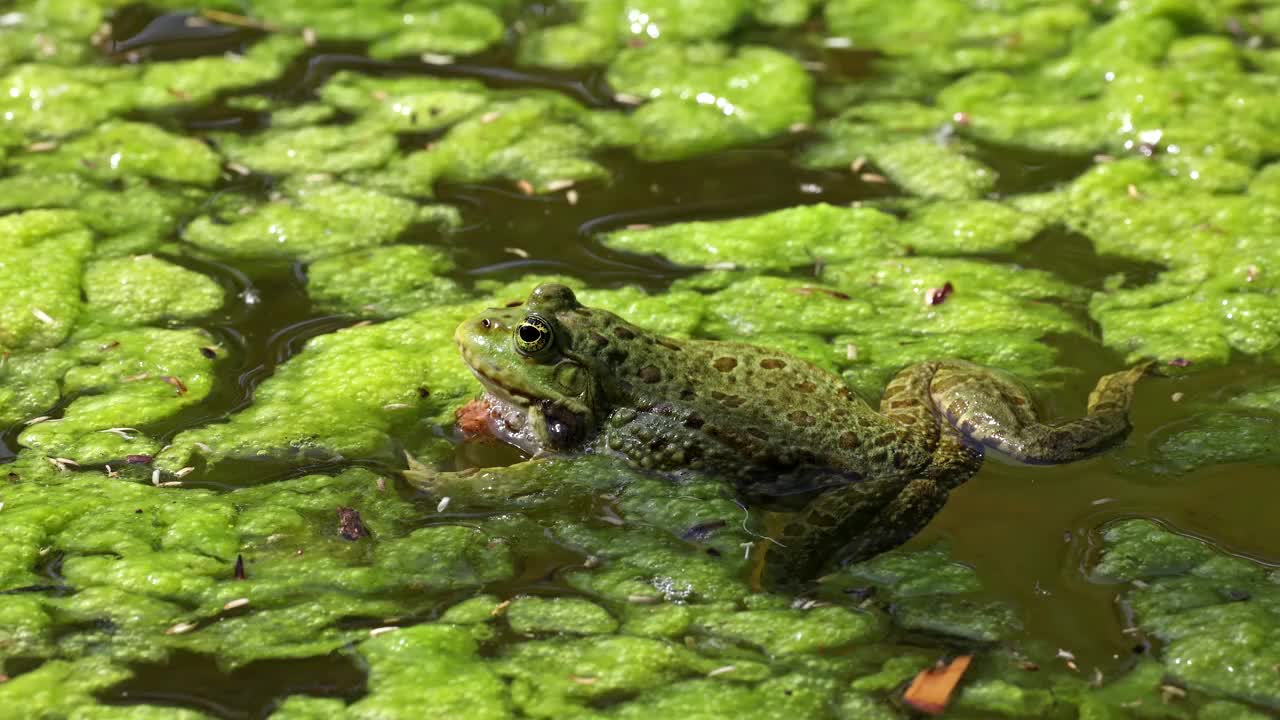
{"x": 426, "y": 478}
{"x": 991, "y": 410}
{"x": 460, "y": 485}
{"x": 417, "y": 473}
{"x": 1114, "y": 392}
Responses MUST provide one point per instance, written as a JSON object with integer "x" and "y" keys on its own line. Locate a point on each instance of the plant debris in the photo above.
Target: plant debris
{"x": 931, "y": 690}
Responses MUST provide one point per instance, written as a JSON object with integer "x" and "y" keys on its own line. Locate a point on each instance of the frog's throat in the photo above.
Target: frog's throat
{"x": 522, "y": 419}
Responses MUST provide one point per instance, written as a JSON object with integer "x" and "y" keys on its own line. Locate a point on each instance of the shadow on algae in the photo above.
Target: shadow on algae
{"x": 235, "y": 243}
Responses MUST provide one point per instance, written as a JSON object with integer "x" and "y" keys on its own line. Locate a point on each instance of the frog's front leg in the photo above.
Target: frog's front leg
{"x": 435, "y": 482}
{"x": 992, "y": 410}
{"x": 477, "y": 486}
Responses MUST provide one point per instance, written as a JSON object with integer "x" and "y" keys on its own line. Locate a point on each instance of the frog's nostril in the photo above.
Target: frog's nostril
{"x": 485, "y": 323}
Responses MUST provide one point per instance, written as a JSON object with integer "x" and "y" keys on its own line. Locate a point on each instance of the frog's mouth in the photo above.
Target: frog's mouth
{"x": 530, "y": 423}
{"x": 508, "y": 419}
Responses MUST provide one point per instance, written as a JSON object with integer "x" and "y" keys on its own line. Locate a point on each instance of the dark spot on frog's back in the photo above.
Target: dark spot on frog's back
{"x": 623, "y": 334}
{"x": 725, "y": 364}
{"x": 848, "y": 440}
{"x": 806, "y": 387}
{"x": 772, "y": 364}
{"x": 615, "y": 357}
{"x": 650, "y": 374}
{"x": 733, "y": 401}
{"x": 801, "y": 418}
{"x": 694, "y": 421}
{"x": 600, "y": 340}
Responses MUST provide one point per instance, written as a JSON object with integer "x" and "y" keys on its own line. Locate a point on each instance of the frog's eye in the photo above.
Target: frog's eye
{"x": 533, "y": 335}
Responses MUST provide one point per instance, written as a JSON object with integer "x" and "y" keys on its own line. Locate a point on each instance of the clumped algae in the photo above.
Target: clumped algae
{"x": 146, "y": 516}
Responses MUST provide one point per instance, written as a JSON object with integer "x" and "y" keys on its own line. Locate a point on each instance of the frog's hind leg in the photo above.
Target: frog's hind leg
{"x": 990, "y": 409}
{"x": 853, "y": 522}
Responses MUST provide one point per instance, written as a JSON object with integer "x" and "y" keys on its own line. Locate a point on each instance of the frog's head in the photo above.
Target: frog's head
{"x": 544, "y": 391}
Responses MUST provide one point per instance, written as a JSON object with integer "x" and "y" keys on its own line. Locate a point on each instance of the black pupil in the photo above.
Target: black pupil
{"x": 529, "y": 333}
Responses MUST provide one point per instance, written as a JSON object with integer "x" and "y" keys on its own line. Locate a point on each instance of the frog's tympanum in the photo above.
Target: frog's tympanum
{"x": 841, "y": 480}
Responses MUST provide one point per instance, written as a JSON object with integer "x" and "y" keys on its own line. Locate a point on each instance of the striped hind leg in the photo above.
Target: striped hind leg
{"x": 991, "y": 409}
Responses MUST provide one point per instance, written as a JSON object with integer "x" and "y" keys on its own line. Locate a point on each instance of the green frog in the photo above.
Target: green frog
{"x": 839, "y": 480}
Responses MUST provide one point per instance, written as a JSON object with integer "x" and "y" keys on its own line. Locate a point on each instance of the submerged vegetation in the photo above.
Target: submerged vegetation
{"x": 235, "y": 244}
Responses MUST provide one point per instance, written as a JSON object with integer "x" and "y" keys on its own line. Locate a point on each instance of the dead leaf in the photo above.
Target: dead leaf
{"x": 350, "y": 525}
{"x": 931, "y": 690}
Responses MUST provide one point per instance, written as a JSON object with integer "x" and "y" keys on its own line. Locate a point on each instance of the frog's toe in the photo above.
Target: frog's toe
{"x": 420, "y": 475}
{"x": 1147, "y": 367}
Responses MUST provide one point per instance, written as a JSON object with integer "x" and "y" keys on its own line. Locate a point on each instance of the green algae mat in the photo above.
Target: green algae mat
{"x": 235, "y": 241}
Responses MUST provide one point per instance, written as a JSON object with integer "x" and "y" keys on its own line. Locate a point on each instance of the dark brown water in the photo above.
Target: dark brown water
{"x": 1026, "y": 531}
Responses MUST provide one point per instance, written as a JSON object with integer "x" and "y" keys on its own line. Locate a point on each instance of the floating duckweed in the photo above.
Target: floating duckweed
{"x": 601, "y": 29}
{"x": 541, "y": 140}
{"x": 434, "y": 669}
{"x": 593, "y": 39}
{"x": 705, "y": 97}
{"x": 143, "y": 289}
{"x": 383, "y": 282}
{"x": 1216, "y": 614}
{"x": 789, "y": 632}
{"x": 67, "y": 687}
{"x": 135, "y": 216}
{"x": 1209, "y": 303}
{"x": 190, "y": 82}
{"x": 316, "y": 149}
{"x": 479, "y": 609}
{"x": 446, "y": 556}
{"x": 121, "y": 378}
{"x": 461, "y": 28}
{"x": 968, "y": 227}
{"x": 330, "y": 400}
{"x": 958, "y": 37}
{"x": 1005, "y": 698}
{"x": 44, "y": 101}
{"x": 406, "y": 104}
{"x": 930, "y": 169}
{"x": 553, "y": 677}
{"x": 118, "y": 150}
{"x": 312, "y": 220}
{"x": 560, "y": 615}
{"x": 52, "y": 246}
{"x": 779, "y": 240}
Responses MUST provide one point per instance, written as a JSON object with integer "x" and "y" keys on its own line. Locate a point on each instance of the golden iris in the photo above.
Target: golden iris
{"x": 533, "y": 335}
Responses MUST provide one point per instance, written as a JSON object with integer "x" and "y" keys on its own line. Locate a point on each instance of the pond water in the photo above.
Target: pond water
{"x": 237, "y": 243}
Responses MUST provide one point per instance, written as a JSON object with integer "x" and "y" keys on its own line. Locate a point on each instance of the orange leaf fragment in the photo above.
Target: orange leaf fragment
{"x": 473, "y": 418}
{"x": 931, "y": 690}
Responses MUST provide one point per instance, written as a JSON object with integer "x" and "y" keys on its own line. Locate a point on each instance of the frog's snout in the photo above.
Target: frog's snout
{"x": 468, "y": 331}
